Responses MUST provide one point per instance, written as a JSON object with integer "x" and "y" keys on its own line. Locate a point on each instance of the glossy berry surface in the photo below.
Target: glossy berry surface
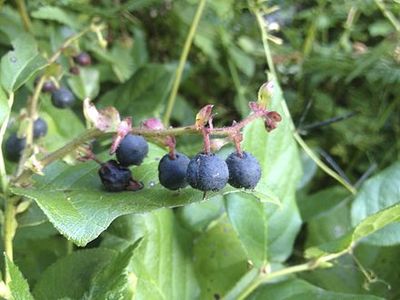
{"x": 14, "y": 147}
{"x": 132, "y": 150}
{"x": 207, "y": 172}
{"x": 48, "y": 86}
{"x": 172, "y": 172}
{"x": 114, "y": 177}
{"x": 244, "y": 171}
{"x": 39, "y": 128}
{"x": 83, "y": 59}
{"x": 62, "y": 98}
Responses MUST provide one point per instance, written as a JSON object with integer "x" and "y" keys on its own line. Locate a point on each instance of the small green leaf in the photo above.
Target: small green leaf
{"x": 71, "y": 276}
{"x": 56, "y": 14}
{"x": 18, "y": 65}
{"x": 376, "y": 194}
{"x": 86, "y": 84}
{"x": 249, "y": 220}
{"x": 112, "y": 281}
{"x": 18, "y": 285}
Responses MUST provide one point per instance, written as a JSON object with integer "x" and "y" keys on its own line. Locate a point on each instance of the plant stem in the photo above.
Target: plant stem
{"x": 24, "y": 15}
{"x": 10, "y": 226}
{"x": 182, "y": 61}
{"x": 258, "y": 13}
{"x": 3, "y": 173}
{"x": 32, "y": 115}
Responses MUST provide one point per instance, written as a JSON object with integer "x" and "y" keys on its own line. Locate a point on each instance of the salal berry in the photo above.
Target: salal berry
{"x": 172, "y": 172}
{"x": 62, "y": 98}
{"x": 207, "y": 172}
{"x": 14, "y": 147}
{"x": 244, "y": 170}
{"x": 83, "y": 59}
{"x": 132, "y": 150}
{"x": 39, "y": 128}
{"x": 48, "y": 86}
{"x": 114, "y": 177}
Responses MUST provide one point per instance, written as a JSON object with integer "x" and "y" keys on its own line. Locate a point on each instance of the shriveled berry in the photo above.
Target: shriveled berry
{"x": 83, "y": 59}
{"x": 14, "y": 147}
{"x": 62, "y": 98}
{"x": 114, "y": 177}
{"x": 132, "y": 150}
{"x": 172, "y": 172}
{"x": 39, "y": 128}
{"x": 74, "y": 70}
{"x": 207, "y": 172}
{"x": 244, "y": 170}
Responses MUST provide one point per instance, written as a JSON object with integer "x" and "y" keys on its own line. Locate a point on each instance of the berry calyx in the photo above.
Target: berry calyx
{"x": 132, "y": 150}
{"x": 39, "y": 128}
{"x": 83, "y": 59}
{"x": 14, "y": 147}
{"x": 62, "y": 98}
{"x": 114, "y": 177}
{"x": 244, "y": 170}
{"x": 172, "y": 172}
{"x": 207, "y": 172}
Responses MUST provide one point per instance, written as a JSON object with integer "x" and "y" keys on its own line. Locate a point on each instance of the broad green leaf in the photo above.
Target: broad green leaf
{"x": 10, "y": 22}
{"x": 18, "y": 285}
{"x": 219, "y": 258}
{"x": 368, "y": 226}
{"x": 376, "y": 194}
{"x": 56, "y": 14}
{"x": 32, "y": 216}
{"x": 86, "y": 84}
{"x": 276, "y": 151}
{"x": 297, "y": 289}
{"x": 73, "y": 199}
{"x": 71, "y": 276}
{"x": 4, "y": 108}
{"x": 249, "y": 220}
{"x": 164, "y": 261}
{"x": 112, "y": 282}
{"x": 18, "y": 65}
{"x": 143, "y": 94}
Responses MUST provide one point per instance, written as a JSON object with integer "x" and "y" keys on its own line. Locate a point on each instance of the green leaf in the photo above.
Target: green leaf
{"x": 249, "y": 220}
{"x": 276, "y": 151}
{"x": 219, "y": 258}
{"x": 164, "y": 260}
{"x": 143, "y": 94}
{"x": 4, "y": 108}
{"x": 376, "y": 194}
{"x": 86, "y": 84}
{"x": 112, "y": 281}
{"x": 73, "y": 199}
{"x": 71, "y": 276}
{"x": 18, "y": 285}
{"x": 56, "y": 14}
{"x": 297, "y": 289}
{"x": 18, "y": 65}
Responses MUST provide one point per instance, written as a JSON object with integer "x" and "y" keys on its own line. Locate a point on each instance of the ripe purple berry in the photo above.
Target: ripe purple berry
{"x": 132, "y": 150}
{"x": 14, "y": 147}
{"x": 62, "y": 98}
{"x": 39, "y": 128}
{"x": 207, "y": 172}
{"x": 83, "y": 59}
{"x": 172, "y": 172}
{"x": 244, "y": 171}
{"x": 114, "y": 177}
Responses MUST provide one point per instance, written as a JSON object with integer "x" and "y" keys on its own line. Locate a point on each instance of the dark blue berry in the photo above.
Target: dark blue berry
{"x": 207, "y": 172}
{"x": 172, "y": 172}
{"x": 14, "y": 147}
{"x": 48, "y": 85}
{"x": 114, "y": 177}
{"x": 83, "y": 59}
{"x": 62, "y": 98}
{"x": 132, "y": 150}
{"x": 244, "y": 171}
{"x": 39, "y": 128}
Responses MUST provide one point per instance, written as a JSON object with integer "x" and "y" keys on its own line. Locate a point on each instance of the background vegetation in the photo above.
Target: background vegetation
{"x": 302, "y": 234}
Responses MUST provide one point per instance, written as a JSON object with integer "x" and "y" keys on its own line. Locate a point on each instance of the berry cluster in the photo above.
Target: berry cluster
{"x": 205, "y": 171}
